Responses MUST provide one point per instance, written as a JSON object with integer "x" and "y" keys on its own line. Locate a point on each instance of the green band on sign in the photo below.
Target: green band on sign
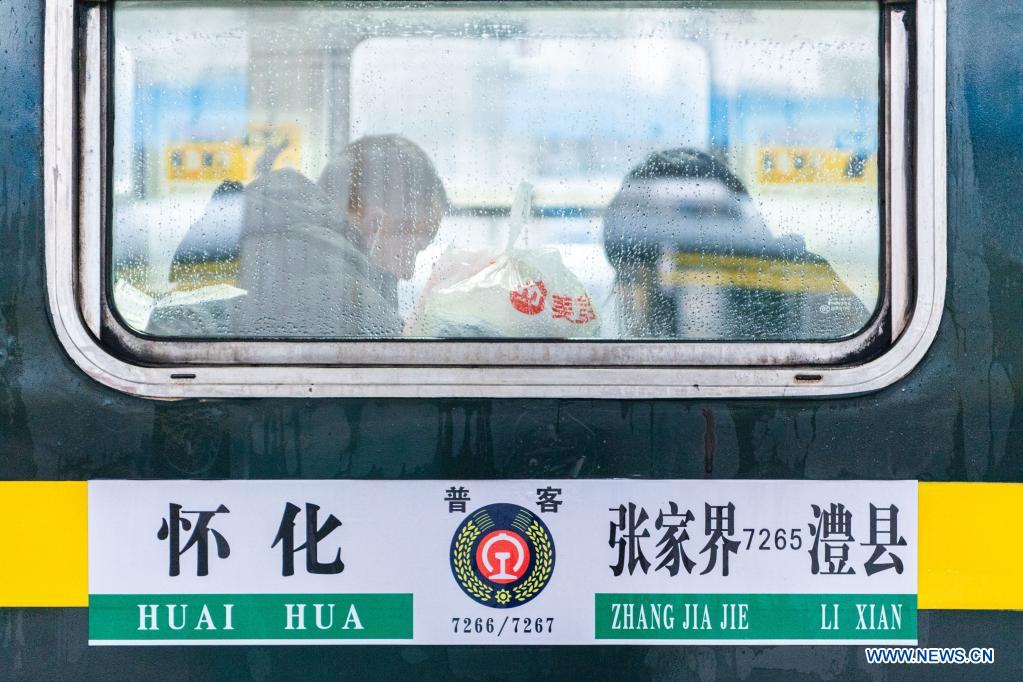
{"x": 756, "y": 616}
{"x": 148, "y": 617}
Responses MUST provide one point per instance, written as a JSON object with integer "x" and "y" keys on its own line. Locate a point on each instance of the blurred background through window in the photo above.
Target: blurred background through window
{"x": 350, "y": 170}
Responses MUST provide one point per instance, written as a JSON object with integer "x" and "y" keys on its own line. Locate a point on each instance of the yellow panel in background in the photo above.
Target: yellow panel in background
{"x": 971, "y": 546}
{"x": 814, "y": 165}
{"x": 44, "y": 543}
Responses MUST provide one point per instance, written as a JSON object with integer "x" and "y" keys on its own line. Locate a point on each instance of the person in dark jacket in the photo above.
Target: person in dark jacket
{"x": 303, "y": 276}
{"x": 694, "y": 259}
{"x": 312, "y": 260}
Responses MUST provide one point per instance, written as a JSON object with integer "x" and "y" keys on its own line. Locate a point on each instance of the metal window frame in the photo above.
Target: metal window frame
{"x": 913, "y": 298}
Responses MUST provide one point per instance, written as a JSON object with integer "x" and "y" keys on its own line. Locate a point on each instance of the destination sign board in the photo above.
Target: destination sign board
{"x": 502, "y": 562}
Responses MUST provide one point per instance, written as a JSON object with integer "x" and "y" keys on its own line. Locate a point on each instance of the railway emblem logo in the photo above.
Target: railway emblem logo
{"x": 502, "y": 555}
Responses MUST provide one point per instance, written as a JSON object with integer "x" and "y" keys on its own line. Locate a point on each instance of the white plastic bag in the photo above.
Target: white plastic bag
{"x": 524, "y": 293}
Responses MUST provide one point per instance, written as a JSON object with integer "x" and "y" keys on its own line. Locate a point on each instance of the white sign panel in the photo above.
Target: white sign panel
{"x": 502, "y": 562}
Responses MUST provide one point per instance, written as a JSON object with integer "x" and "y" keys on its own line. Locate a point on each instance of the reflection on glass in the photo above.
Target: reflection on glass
{"x": 496, "y": 170}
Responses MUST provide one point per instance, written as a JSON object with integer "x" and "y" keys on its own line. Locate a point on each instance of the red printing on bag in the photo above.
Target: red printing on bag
{"x": 578, "y": 310}
{"x": 530, "y": 299}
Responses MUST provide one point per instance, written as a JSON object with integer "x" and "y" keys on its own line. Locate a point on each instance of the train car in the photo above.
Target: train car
{"x": 502, "y": 340}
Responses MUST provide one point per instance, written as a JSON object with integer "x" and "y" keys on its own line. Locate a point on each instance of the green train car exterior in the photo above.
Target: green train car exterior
{"x": 954, "y": 417}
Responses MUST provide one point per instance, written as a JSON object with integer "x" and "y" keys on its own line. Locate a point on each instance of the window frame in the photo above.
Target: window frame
{"x": 911, "y": 296}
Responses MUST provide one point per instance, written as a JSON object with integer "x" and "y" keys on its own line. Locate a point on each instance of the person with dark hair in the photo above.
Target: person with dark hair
{"x": 209, "y": 252}
{"x": 313, "y": 260}
{"x": 694, "y": 259}
{"x": 391, "y": 198}
{"x": 199, "y": 259}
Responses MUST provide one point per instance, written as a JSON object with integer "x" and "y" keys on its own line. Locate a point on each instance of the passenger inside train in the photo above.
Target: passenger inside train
{"x": 352, "y": 174}
{"x": 323, "y": 257}
{"x": 694, "y": 259}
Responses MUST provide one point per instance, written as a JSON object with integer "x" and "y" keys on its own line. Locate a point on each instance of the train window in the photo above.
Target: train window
{"x": 350, "y": 172}
{"x": 454, "y": 196}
